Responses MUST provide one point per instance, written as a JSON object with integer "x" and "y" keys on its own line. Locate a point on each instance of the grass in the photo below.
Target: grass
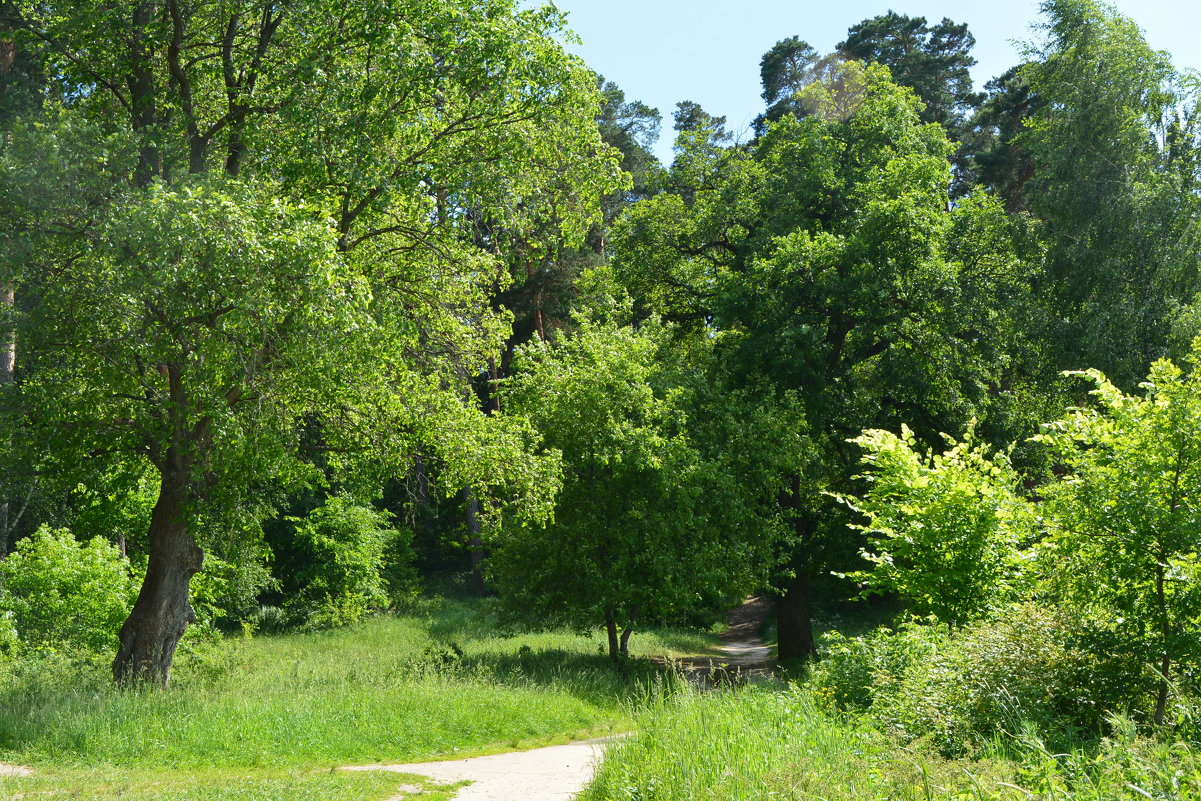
{"x": 215, "y": 785}
{"x": 756, "y": 744}
{"x": 269, "y": 717}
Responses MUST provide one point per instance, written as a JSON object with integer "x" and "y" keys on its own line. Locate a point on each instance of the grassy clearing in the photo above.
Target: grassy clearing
{"x": 438, "y": 682}
{"x": 268, "y": 718}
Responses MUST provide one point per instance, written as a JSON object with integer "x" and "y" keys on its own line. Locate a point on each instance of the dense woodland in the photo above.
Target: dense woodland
{"x": 308, "y": 306}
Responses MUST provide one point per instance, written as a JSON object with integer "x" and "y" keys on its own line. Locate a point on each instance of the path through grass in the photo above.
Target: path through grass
{"x": 276, "y": 709}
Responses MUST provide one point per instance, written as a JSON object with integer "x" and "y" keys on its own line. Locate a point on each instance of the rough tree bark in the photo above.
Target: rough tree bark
{"x": 794, "y": 617}
{"x": 162, "y": 612}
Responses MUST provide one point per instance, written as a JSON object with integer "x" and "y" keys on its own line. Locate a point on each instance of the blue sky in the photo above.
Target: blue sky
{"x": 664, "y": 51}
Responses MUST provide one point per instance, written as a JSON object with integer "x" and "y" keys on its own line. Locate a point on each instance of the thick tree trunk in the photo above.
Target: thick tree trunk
{"x": 794, "y": 617}
{"x": 794, "y": 613}
{"x": 162, "y": 612}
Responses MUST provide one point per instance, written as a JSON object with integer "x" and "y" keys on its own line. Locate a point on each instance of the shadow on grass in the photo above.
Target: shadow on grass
{"x": 591, "y": 677}
{"x": 686, "y": 643}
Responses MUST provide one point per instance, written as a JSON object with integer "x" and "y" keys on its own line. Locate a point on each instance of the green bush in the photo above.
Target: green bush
{"x": 225, "y": 593}
{"x": 356, "y": 563}
{"x": 59, "y": 593}
{"x": 1026, "y": 665}
{"x": 855, "y": 671}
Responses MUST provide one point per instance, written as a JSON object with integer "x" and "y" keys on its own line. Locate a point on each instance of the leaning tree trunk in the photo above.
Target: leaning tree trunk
{"x": 162, "y": 612}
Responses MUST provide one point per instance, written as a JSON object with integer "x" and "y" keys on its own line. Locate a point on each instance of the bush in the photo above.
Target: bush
{"x": 1024, "y": 666}
{"x": 356, "y": 563}
{"x": 855, "y": 671}
{"x": 225, "y": 593}
{"x": 58, "y": 592}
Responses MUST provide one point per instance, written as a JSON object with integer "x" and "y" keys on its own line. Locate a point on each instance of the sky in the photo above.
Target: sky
{"x": 665, "y": 51}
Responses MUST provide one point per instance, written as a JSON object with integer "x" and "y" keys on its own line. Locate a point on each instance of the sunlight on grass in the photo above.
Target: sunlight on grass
{"x": 396, "y": 689}
{"x": 759, "y": 743}
{"x": 214, "y": 785}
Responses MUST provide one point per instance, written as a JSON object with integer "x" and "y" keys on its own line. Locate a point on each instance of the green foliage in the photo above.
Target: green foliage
{"x": 1124, "y": 519}
{"x": 349, "y": 550}
{"x": 60, "y": 594}
{"x": 933, "y": 60}
{"x": 278, "y": 268}
{"x": 784, "y": 71}
{"x": 760, "y": 743}
{"x": 1026, "y": 665}
{"x": 651, "y": 522}
{"x": 831, "y": 263}
{"x": 225, "y": 593}
{"x": 943, "y": 530}
{"x": 1112, "y": 137}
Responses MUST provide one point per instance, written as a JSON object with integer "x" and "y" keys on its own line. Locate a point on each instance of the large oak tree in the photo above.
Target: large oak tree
{"x": 271, "y": 247}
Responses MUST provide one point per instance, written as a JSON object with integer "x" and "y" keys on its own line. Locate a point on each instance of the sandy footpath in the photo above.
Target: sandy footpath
{"x": 556, "y": 773}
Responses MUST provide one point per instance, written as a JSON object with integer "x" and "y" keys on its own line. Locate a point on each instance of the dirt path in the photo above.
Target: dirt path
{"x": 742, "y": 655}
{"x": 556, "y": 773}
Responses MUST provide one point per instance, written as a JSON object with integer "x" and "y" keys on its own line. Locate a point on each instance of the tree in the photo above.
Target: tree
{"x": 1125, "y": 518}
{"x": 932, "y": 60}
{"x": 830, "y": 257}
{"x": 784, "y": 71}
{"x": 1118, "y": 202}
{"x": 992, "y": 154}
{"x": 655, "y": 519}
{"x": 278, "y": 243}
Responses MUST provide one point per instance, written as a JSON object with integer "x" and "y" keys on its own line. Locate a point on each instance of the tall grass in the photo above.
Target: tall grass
{"x": 758, "y": 744}
{"x": 395, "y": 689}
{"x": 212, "y": 785}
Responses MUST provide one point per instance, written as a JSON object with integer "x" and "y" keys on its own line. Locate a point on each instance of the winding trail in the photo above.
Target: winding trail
{"x": 560, "y": 772}
{"x": 555, "y": 773}
{"x": 742, "y": 655}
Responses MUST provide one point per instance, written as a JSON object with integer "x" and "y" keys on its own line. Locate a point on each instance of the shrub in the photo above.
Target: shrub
{"x": 63, "y": 593}
{"x": 1026, "y": 665}
{"x": 854, "y": 671}
{"x": 225, "y": 593}
{"x": 352, "y": 552}
{"x": 944, "y": 528}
